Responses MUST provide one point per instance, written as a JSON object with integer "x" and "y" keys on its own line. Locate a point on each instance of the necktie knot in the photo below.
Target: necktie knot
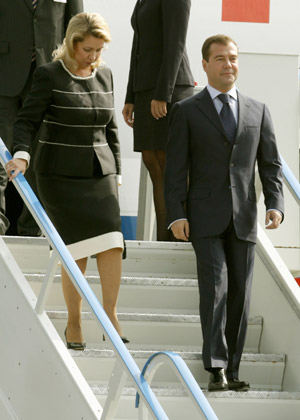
{"x": 224, "y": 97}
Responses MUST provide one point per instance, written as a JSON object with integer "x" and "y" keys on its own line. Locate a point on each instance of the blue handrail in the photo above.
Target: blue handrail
{"x": 290, "y": 180}
{"x": 186, "y": 378}
{"x": 84, "y": 289}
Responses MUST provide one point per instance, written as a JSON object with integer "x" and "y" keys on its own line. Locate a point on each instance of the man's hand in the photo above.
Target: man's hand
{"x": 181, "y": 230}
{"x": 158, "y": 109}
{"x": 273, "y": 219}
{"x": 14, "y": 167}
{"x": 128, "y": 114}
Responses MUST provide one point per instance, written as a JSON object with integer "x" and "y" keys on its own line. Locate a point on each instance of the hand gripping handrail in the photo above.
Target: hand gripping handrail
{"x": 186, "y": 378}
{"x": 125, "y": 364}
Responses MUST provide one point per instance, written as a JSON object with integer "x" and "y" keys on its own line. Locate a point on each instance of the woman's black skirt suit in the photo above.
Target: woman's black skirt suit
{"x": 78, "y": 156}
{"x": 159, "y": 66}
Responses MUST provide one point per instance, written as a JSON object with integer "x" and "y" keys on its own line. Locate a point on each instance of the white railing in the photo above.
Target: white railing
{"x": 125, "y": 366}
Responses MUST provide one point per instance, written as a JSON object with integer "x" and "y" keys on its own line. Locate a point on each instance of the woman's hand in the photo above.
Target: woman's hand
{"x": 14, "y": 167}
{"x": 158, "y": 109}
{"x": 128, "y": 114}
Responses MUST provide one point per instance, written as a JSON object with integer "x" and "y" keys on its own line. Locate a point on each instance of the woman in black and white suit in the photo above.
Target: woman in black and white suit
{"x": 159, "y": 76}
{"x": 78, "y": 159}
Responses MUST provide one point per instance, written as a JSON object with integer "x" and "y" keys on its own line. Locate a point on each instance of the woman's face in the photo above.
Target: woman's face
{"x": 88, "y": 51}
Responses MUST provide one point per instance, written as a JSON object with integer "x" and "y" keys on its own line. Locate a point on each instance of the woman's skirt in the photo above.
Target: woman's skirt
{"x": 149, "y": 133}
{"x": 84, "y": 211}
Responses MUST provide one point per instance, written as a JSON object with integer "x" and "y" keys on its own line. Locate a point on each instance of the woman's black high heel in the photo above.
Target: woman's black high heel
{"x": 74, "y": 346}
{"x": 123, "y": 338}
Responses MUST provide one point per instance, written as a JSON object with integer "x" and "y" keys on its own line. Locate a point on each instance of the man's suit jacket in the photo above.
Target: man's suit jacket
{"x": 22, "y": 27}
{"x": 158, "y": 58}
{"x": 221, "y": 175}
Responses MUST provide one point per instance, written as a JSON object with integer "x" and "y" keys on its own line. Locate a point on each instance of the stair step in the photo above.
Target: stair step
{"x": 156, "y": 328}
{"x": 263, "y": 371}
{"x": 229, "y": 405}
{"x": 166, "y": 259}
{"x": 149, "y": 292}
{"x": 170, "y": 259}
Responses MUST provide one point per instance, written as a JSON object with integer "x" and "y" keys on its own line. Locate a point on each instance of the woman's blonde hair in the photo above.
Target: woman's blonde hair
{"x": 81, "y": 26}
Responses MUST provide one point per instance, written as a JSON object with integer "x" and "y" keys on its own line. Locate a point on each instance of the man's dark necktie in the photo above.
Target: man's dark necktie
{"x": 227, "y": 117}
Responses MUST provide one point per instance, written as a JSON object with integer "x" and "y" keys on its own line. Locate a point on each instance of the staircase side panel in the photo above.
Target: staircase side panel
{"x": 39, "y": 379}
{"x": 276, "y": 297}
{"x": 6, "y": 410}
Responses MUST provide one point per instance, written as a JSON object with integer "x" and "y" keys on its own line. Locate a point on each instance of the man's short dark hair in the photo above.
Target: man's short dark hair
{"x": 215, "y": 39}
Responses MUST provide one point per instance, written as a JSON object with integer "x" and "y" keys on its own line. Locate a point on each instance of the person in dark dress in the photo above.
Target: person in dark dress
{"x": 29, "y": 32}
{"x": 77, "y": 161}
{"x": 159, "y": 76}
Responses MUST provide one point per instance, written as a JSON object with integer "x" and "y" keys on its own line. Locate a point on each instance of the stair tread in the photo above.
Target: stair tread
{"x": 180, "y": 316}
{"x": 132, "y": 244}
{"x": 174, "y": 390}
{"x": 186, "y": 354}
{"x": 127, "y": 280}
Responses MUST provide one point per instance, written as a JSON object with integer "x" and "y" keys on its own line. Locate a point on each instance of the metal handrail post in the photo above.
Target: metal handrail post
{"x": 115, "y": 387}
{"x": 47, "y": 283}
{"x": 185, "y": 376}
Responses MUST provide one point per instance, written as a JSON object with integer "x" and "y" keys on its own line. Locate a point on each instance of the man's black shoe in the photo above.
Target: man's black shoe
{"x": 217, "y": 380}
{"x": 237, "y": 385}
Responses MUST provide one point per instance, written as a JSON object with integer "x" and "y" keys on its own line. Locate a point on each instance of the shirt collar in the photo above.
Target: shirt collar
{"x": 214, "y": 92}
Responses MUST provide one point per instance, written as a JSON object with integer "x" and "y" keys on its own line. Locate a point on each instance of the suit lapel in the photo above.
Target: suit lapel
{"x": 29, "y": 4}
{"x": 39, "y": 3}
{"x": 205, "y": 103}
{"x": 140, "y": 3}
{"x": 243, "y": 112}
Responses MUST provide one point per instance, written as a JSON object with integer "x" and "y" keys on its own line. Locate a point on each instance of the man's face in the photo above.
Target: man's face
{"x": 222, "y": 66}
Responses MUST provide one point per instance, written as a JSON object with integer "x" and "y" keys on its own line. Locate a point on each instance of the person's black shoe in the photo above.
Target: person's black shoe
{"x": 217, "y": 380}
{"x": 74, "y": 346}
{"x": 123, "y": 338}
{"x": 237, "y": 385}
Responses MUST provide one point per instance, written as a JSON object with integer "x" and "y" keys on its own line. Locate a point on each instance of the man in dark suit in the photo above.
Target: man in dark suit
{"x": 29, "y": 32}
{"x": 214, "y": 143}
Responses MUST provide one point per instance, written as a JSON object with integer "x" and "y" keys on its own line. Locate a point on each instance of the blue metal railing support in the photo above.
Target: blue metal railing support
{"x": 185, "y": 376}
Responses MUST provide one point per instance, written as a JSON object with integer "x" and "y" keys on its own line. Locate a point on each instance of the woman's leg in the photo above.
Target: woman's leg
{"x": 154, "y": 161}
{"x": 109, "y": 265}
{"x": 74, "y": 304}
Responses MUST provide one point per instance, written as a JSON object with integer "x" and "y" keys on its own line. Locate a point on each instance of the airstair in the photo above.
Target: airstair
{"x": 158, "y": 308}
